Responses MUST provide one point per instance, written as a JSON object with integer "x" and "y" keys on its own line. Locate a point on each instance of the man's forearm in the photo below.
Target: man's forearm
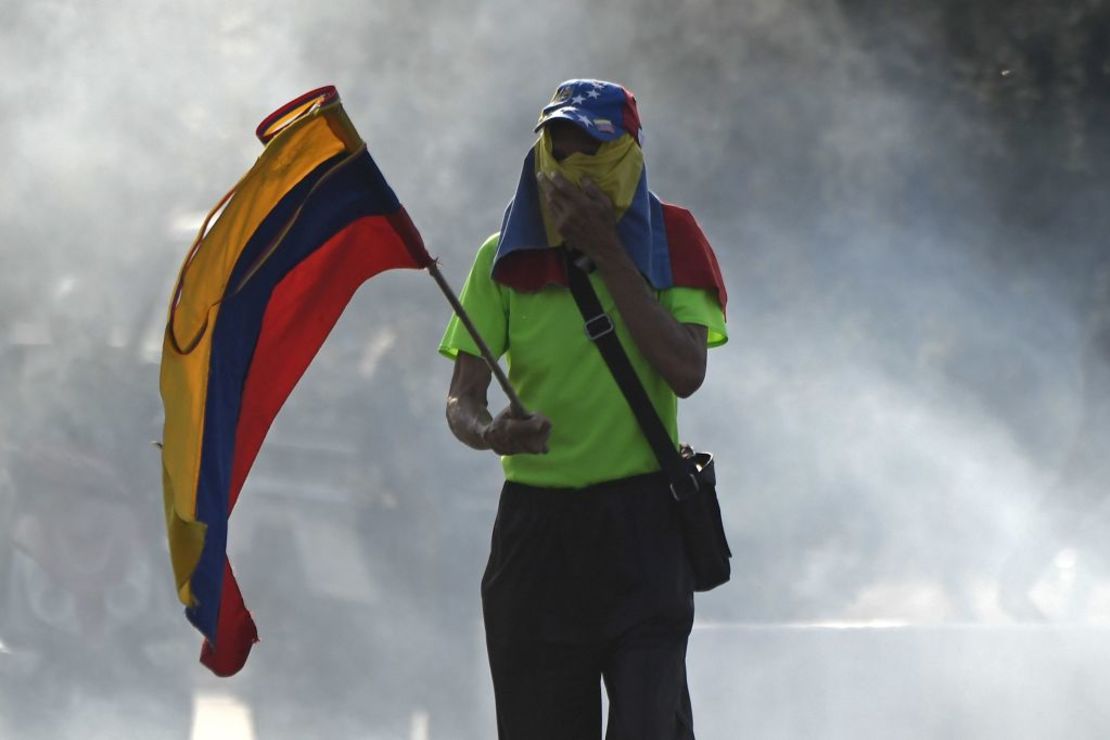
{"x": 468, "y": 419}
{"x": 584, "y": 217}
{"x": 667, "y": 345}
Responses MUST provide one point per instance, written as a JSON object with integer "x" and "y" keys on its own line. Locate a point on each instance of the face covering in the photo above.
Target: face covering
{"x": 615, "y": 168}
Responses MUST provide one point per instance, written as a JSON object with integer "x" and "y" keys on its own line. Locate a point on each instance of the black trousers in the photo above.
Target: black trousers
{"x": 584, "y": 586}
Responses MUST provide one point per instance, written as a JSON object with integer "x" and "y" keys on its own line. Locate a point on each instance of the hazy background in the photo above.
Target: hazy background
{"x": 911, "y": 418}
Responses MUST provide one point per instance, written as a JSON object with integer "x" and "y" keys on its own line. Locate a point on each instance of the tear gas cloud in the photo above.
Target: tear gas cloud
{"x": 906, "y": 208}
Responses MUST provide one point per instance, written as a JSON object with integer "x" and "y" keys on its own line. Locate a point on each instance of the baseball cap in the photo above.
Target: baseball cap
{"x": 604, "y": 110}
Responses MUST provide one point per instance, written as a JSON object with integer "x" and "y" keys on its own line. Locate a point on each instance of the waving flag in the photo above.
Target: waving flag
{"x": 258, "y": 294}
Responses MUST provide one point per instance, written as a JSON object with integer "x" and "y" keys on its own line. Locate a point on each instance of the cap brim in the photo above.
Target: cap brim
{"x": 576, "y": 116}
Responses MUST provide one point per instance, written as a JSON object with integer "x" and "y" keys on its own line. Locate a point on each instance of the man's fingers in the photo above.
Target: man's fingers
{"x": 535, "y": 424}
{"x": 560, "y": 200}
{"x": 557, "y": 206}
{"x": 546, "y": 191}
{"x": 570, "y": 206}
{"x": 566, "y": 188}
{"x": 561, "y": 183}
{"x": 508, "y": 435}
{"x": 558, "y": 188}
{"x": 553, "y": 184}
{"x": 556, "y": 199}
{"x": 590, "y": 188}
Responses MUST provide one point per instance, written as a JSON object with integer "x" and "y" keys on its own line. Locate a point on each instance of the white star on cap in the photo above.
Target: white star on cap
{"x": 584, "y": 119}
{"x": 578, "y": 100}
{"x": 594, "y": 93}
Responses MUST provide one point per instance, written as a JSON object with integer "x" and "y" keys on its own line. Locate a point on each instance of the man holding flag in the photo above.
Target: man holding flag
{"x": 587, "y": 577}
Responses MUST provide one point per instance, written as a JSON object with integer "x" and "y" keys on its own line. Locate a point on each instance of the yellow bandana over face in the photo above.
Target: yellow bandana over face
{"x": 615, "y": 168}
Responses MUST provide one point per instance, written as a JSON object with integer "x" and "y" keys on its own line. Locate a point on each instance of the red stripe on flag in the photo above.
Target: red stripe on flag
{"x": 301, "y": 313}
{"x": 235, "y": 631}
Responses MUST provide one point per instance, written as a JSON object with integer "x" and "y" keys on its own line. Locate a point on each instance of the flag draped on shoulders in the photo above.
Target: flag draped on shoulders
{"x": 257, "y": 295}
{"x": 664, "y": 241}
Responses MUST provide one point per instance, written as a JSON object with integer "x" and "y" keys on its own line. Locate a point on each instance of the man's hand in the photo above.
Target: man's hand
{"x": 583, "y": 216}
{"x": 470, "y": 420}
{"x": 510, "y": 435}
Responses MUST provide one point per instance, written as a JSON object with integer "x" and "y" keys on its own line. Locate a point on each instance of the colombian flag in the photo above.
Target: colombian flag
{"x": 258, "y": 294}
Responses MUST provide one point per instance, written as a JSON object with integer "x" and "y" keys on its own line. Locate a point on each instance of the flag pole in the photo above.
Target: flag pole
{"x": 517, "y": 407}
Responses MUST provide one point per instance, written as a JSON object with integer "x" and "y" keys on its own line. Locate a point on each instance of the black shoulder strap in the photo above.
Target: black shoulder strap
{"x": 600, "y": 330}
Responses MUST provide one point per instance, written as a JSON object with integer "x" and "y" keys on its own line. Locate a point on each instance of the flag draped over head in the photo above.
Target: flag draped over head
{"x": 663, "y": 240}
{"x": 257, "y": 295}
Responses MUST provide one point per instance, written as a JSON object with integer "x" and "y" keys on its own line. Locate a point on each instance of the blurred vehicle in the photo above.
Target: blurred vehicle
{"x": 80, "y": 618}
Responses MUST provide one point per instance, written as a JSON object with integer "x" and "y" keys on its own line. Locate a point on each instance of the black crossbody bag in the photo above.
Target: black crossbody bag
{"x": 693, "y": 480}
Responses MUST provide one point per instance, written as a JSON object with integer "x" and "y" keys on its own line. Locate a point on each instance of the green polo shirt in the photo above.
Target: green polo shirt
{"x": 557, "y": 371}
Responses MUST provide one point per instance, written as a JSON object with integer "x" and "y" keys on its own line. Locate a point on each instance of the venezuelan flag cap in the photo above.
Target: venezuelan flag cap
{"x": 604, "y": 110}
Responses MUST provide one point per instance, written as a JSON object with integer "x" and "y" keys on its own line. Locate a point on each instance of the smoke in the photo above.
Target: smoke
{"x": 906, "y": 207}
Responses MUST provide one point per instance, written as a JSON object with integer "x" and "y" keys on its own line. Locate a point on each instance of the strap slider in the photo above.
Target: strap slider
{"x": 598, "y": 326}
{"x": 695, "y": 486}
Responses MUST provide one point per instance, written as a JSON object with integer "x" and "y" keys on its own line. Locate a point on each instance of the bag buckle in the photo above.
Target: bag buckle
{"x": 598, "y": 326}
{"x": 696, "y": 488}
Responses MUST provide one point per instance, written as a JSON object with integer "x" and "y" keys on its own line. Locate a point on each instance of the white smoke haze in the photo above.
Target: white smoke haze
{"x": 907, "y": 210}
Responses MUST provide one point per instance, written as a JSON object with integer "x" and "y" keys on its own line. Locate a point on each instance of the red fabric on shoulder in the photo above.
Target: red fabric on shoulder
{"x": 693, "y": 264}
{"x": 531, "y": 270}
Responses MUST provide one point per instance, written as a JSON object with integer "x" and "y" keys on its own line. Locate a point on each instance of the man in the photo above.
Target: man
{"x": 587, "y": 577}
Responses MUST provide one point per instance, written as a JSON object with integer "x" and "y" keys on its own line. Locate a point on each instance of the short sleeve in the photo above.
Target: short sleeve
{"x": 487, "y": 305}
{"x": 697, "y": 306}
